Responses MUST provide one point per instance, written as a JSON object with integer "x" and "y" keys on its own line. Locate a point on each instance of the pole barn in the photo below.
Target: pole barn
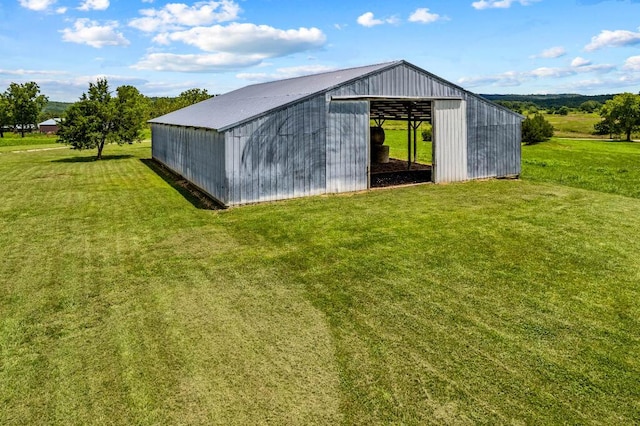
{"x": 312, "y": 135}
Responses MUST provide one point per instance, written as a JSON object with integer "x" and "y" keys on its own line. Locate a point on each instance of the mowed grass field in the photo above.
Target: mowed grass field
{"x": 123, "y": 301}
{"x": 13, "y": 142}
{"x": 575, "y": 125}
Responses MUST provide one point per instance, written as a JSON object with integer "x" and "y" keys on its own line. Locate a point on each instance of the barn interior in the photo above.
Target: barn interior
{"x": 389, "y": 171}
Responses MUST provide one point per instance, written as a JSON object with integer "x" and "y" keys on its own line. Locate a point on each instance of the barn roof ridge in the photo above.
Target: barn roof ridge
{"x": 323, "y": 73}
{"x": 51, "y": 121}
{"x": 256, "y": 100}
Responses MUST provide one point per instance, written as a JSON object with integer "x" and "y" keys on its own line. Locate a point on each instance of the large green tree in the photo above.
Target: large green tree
{"x": 621, "y": 115}
{"x": 5, "y": 114}
{"x": 25, "y": 104}
{"x": 192, "y": 96}
{"x": 131, "y": 110}
{"x": 99, "y": 118}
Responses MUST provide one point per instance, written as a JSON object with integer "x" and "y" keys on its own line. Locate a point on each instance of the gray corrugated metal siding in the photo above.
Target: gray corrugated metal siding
{"x": 198, "y": 155}
{"x": 450, "y": 140}
{"x": 282, "y": 155}
{"x": 347, "y": 146}
{"x": 278, "y": 140}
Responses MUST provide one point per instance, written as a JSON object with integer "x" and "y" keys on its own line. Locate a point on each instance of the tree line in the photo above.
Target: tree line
{"x": 619, "y": 116}
{"x": 20, "y": 106}
{"x": 528, "y": 107}
{"x": 550, "y": 101}
{"x": 23, "y": 105}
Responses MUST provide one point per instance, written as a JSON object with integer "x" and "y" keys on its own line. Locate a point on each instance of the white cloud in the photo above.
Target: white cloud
{"x": 174, "y": 16}
{"x": 94, "y": 5}
{"x": 588, "y": 85}
{"x": 632, "y": 63}
{"x": 509, "y": 78}
{"x": 392, "y": 20}
{"x": 68, "y": 88}
{"x": 93, "y": 34}
{"x": 282, "y": 73}
{"x": 568, "y": 71}
{"x": 603, "y": 68}
{"x": 513, "y": 78}
{"x": 37, "y": 5}
{"x": 368, "y": 20}
{"x": 197, "y": 63}
{"x": 61, "y": 10}
{"x": 630, "y": 79}
{"x": 423, "y": 16}
{"x": 616, "y": 38}
{"x": 499, "y": 4}
{"x": 172, "y": 88}
{"x": 551, "y": 53}
{"x": 546, "y": 72}
{"x": 23, "y": 72}
{"x": 580, "y": 62}
{"x": 248, "y": 39}
{"x": 597, "y": 85}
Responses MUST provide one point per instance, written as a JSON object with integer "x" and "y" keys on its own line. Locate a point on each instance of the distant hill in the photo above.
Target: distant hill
{"x": 55, "y": 109}
{"x": 550, "y": 101}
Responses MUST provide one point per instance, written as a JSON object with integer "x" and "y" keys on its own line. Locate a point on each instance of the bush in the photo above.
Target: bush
{"x": 536, "y": 129}
{"x": 589, "y": 106}
{"x": 427, "y": 134}
{"x": 563, "y": 110}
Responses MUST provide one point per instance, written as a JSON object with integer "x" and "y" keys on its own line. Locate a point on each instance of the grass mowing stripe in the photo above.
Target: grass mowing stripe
{"x": 97, "y": 249}
{"x": 497, "y": 301}
{"x": 601, "y": 166}
{"x": 547, "y": 238}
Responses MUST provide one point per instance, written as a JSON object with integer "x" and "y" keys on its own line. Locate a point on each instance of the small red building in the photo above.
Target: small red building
{"x": 49, "y": 127}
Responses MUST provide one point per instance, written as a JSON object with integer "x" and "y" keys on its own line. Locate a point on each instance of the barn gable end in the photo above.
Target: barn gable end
{"x": 314, "y": 139}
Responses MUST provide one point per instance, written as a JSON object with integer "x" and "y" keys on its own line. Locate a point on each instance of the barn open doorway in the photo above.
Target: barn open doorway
{"x": 401, "y": 147}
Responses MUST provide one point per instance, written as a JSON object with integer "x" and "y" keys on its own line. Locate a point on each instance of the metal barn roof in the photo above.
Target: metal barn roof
{"x": 50, "y": 122}
{"x": 224, "y": 111}
{"x": 230, "y": 109}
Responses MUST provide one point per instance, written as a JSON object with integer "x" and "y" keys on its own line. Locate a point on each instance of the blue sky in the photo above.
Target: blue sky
{"x": 163, "y": 48}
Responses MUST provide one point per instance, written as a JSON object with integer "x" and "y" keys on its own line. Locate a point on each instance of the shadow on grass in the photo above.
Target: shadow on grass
{"x": 91, "y": 159}
{"x": 190, "y": 192}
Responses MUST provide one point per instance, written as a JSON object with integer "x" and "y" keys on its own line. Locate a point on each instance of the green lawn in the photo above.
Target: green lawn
{"x": 30, "y": 139}
{"x": 497, "y": 302}
{"x": 397, "y": 141}
{"x": 604, "y": 166}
